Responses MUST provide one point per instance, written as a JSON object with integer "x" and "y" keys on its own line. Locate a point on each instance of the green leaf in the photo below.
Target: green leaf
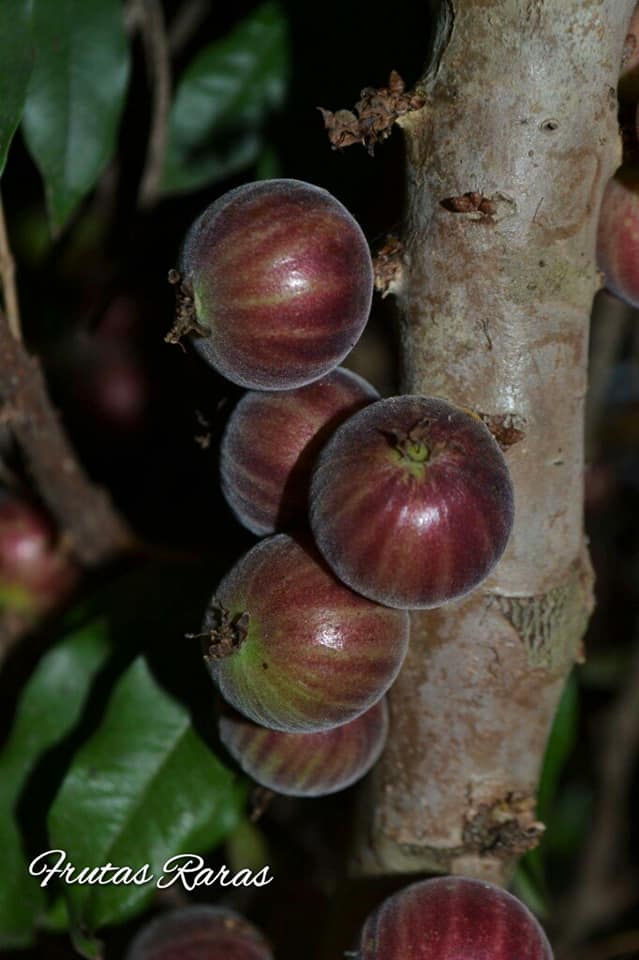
{"x": 144, "y": 788}
{"x": 51, "y": 705}
{"x": 75, "y": 97}
{"x": 561, "y": 743}
{"x": 223, "y": 99}
{"x": 16, "y": 57}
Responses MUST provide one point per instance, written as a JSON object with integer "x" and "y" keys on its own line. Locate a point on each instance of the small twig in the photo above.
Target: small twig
{"x": 83, "y": 511}
{"x": 8, "y": 280}
{"x": 603, "y": 889}
{"x": 147, "y": 15}
{"x": 186, "y": 23}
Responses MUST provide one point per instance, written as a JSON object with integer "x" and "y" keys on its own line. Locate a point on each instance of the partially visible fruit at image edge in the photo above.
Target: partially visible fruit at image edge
{"x": 453, "y": 918}
{"x": 199, "y": 932}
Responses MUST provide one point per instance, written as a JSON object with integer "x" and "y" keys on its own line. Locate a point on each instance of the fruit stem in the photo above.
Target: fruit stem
{"x": 225, "y": 635}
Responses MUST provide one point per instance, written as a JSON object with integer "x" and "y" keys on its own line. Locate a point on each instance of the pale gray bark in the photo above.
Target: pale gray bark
{"x": 521, "y": 108}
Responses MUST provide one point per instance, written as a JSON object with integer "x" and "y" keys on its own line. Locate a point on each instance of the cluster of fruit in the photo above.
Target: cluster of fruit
{"x": 618, "y": 231}
{"x": 443, "y": 919}
{"x": 409, "y": 498}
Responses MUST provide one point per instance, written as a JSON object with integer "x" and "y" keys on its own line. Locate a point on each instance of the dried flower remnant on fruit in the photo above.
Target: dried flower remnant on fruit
{"x": 388, "y": 266}
{"x": 374, "y": 115}
{"x": 226, "y": 633}
{"x": 185, "y": 321}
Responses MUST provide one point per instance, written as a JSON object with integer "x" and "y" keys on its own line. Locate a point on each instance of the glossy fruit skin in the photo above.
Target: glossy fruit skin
{"x": 418, "y": 526}
{"x": 271, "y": 442}
{"x": 199, "y": 932}
{"x": 281, "y": 279}
{"x": 35, "y": 574}
{"x": 618, "y": 236}
{"x": 453, "y": 918}
{"x": 315, "y": 654}
{"x": 307, "y": 764}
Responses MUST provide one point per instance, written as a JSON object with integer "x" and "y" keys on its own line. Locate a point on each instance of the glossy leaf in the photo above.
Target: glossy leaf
{"x": 144, "y": 788}
{"x": 223, "y": 99}
{"x": 16, "y": 56}
{"x": 50, "y": 707}
{"x": 75, "y": 97}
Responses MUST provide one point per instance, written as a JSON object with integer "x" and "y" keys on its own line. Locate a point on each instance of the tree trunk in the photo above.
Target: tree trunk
{"x": 506, "y": 167}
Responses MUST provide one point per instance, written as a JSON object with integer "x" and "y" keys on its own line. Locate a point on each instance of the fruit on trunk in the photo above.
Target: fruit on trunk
{"x": 291, "y": 647}
{"x": 271, "y": 442}
{"x": 307, "y": 764}
{"x": 618, "y": 235}
{"x": 199, "y": 932}
{"x": 412, "y": 502}
{"x": 36, "y": 575}
{"x": 278, "y": 279}
{"x": 453, "y": 918}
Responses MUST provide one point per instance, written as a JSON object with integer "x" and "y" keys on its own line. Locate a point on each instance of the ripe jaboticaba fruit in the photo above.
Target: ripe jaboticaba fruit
{"x": 411, "y": 502}
{"x": 453, "y": 918}
{"x": 307, "y": 764}
{"x": 36, "y": 575}
{"x": 278, "y": 279}
{"x": 271, "y": 442}
{"x": 618, "y": 235}
{"x": 199, "y": 932}
{"x": 291, "y": 647}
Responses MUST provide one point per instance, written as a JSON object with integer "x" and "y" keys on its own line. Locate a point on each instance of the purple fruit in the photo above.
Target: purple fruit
{"x": 307, "y": 764}
{"x": 199, "y": 933}
{"x": 292, "y": 648}
{"x": 279, "y": 279}
{"x": 453, "y": 918}
{"x": 36, "y": 573}
{"x": 412, "y": 502}
{"x": 271, "y": 442}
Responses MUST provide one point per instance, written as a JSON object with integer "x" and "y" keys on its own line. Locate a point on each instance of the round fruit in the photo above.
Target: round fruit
{"x": 453, "y": 918}
{"x": 307, "y": 764}
{"x": 412, "y": 502}
{"x": 618, "y": 235}
{"x": 35, "y": 574}
{"x": 278, "y": 280}
{"x": 199, "y": 932}
{"x": 292, "y": 648}
{"x": 271, "y": 442}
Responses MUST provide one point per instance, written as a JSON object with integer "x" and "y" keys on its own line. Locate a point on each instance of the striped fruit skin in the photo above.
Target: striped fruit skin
{"x": 453, "y": 918}
{"x": 271, "y": 442}
{"x": 618, "y": 236}
{"x": 316, "y": 655}
{"x": 282, "y": 280}
{"x": 199, "y": 932}
{"x": 409, "y": 534}
{"x": 307, "y": 764}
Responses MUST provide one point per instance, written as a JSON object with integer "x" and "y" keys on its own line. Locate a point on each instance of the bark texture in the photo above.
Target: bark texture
{"x": 506, "y": 167}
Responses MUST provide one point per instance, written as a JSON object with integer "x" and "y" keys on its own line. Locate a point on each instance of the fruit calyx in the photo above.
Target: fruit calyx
{"x": 413, "y": 446}
{"x": 185, "y": 319}
{"x": 225, "y": 635}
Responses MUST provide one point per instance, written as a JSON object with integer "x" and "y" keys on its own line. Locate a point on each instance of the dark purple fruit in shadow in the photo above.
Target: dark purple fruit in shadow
{"x": 307, "y": 764}
{"x": 271, "y": 442}
{"x": 411, "y": 502}
{"x": 36, "y": 574}
{"x": 453, "y": 918}
{"x": 199, "y": 932}
{"x": 281, "y": 281}
{"x": 292, "y": 648}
